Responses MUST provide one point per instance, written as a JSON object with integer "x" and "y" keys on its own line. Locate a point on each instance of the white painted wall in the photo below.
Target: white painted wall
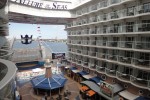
{"x": 4, "y": 13}
{"x": 17, "y": 8}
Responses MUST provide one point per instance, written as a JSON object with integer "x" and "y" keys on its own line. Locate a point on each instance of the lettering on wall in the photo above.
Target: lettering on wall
{"x": 45, "y": 4}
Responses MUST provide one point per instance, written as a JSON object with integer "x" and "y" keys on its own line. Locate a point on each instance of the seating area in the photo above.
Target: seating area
{"x": 25, "y": 75}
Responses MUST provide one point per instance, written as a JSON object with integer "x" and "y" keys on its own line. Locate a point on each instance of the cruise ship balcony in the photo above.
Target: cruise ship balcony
{"x": 125, "y": 59}
{"x": 112, "y": 57}
{"x": 143, "y": 63}
{"x": 141, "y": 9}
{"x": 91, "y": 53}
{"x": 111, "y": 70}
{"x": 92, "y": 42}
{"x": 92, "y": 19}
{"x": 123, "y": 74}
{"x": 92, "y": 66}
{"x": 100, "y": 43}
{"x": 6, "y": 54}
{"x": 115, "y": 1}
{"x": 85, "y": 64}
{"x": 84, "y": 21}
{"x": 79, "y": 61}
{"x": 102, "y": 4}
{"x": 85, "y": 52}
{"x": 100, "y": 55}
{"x": 126, "y": 44}
{"x": 100, "y": 69}
{"x": 93, "y": 7}
{"x": 84, "y": 42}
{"x": 142, "y": 45}
{"x": 141, "y": 79}
{"x": 79, "y": 51}
{"x": 114, "y": 15}
{"x": 112, "y": 43}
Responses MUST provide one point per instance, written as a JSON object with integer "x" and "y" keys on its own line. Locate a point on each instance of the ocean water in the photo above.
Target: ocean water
{"x": 56, "y": 47}
{"x": 18, "y": 45}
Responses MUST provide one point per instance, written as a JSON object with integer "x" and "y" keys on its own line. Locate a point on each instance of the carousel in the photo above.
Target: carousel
{"x": 50, "y": 83}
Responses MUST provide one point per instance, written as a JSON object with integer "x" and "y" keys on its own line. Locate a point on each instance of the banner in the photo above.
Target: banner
{"x": 58, "y": 55}
{"x": 56, "y": 5}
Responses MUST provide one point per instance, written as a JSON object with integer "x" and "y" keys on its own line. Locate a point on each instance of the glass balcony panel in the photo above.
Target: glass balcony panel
{"x": 142, "y": 62}
{"x": 111, "y": 71}
{"x": 123, "y": 76}
{"x": 140, "y": 80}
{"x": 99, "y": 43}
{"x": 124, "y": 59}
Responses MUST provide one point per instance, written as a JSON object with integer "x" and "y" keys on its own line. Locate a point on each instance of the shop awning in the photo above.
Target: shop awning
{"x": 128, "y": 95}
{"x": 96, "y": 79}
{"x": 84, "y": 88}
{"x": 82, "y": 73}
{"x": 92, "y": 86}
{"x": 90, "y": 93}
{"x": 75, "y": 71}
{"x": 88, "y": 76}
{"x": 73, "y": 68}
{"x": 117, "y": 88}
{"x": 142, "y": 98}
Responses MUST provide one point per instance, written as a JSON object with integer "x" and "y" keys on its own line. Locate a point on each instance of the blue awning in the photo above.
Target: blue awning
{"x": 54, "y": 82}
{"x": 142, "y": 98}
{"x": 96, "y": 79}
{"x": 73, "y": 68}
{"x": 83, "y": 73}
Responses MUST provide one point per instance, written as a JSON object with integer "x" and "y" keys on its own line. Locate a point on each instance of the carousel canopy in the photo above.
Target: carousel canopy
{"x": 54, "y": 82}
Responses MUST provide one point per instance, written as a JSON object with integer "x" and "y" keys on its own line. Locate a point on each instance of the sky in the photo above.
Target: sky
{"x": 45, "y": 31}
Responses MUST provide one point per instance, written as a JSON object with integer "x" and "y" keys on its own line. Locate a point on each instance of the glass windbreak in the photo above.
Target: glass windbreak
{"x": 7, "y": 92}
{"x": 3, "y": 71}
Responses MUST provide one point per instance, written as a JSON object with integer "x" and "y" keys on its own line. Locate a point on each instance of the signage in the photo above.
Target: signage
{"x": 56, "y": 5}
{"x": 58, "y": 55}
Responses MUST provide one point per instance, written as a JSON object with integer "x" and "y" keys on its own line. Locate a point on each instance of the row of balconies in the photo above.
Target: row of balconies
{"x": 121, "y": 44}
{"x": 142, "y": 27}
{"x": 126, "y": 12}
{"x": 120, "y": 14}
{"x": 139, "y": 61}
{"x": 140, "y": 79}
{"x": 98, "y": 6}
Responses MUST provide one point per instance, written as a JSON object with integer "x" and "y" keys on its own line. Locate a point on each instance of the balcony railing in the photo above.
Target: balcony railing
{"x": 123, "y": 76}
{"x": 100, "y": 55}
{"x": 92, "y": 42}
{"x": 112, "y": 15}
{"x": 100, "y": 69}
{"x": 142, "y": 62}
{"x": 112, "y": 43}
{"x": 124, "y": 59}
{"x": 92, "y": 66}
{"x": 112, "y": 57}
{"x": 91, "y": 53}
{"x": 141, "y": 82}
{"x": 110, "y": 71}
